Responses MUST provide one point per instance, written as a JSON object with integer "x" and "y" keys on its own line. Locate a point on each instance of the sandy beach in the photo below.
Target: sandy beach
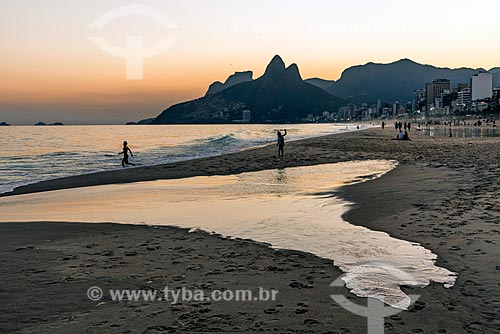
{"x": 443, "y": 195}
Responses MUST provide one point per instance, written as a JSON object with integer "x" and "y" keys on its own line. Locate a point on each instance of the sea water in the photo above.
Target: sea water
{"x": 30, "y": 154}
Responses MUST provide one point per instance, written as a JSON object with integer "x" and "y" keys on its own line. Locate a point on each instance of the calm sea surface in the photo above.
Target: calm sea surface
{"x": 29, "y": 153}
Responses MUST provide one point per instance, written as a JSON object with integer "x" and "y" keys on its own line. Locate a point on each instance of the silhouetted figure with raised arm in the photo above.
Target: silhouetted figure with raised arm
{"x": 281, "y": 143}
{"x": 125, "y": 151}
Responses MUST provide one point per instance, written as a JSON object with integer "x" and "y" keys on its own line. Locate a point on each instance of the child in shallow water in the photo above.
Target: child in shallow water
{"x": 125, "y": 151}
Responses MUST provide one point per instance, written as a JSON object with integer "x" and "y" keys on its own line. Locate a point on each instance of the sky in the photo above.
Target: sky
{"x": 51, "y": 70}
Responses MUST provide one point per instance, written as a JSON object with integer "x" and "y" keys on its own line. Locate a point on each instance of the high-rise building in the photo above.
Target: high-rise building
{"x": 495, "y": 100}
{"x": 419, "y": 99}
{"x": 434, "y": 88}
{"x": 482, "y": 86}
{"x": 464, "y": 99}
{"x": 379, "y": 106}
{"x": 395, "y": 108}
{"x": 460, "y": 86}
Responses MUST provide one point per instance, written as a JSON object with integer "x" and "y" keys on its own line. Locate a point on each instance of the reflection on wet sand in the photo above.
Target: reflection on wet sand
{"x": 462, "y": 132}
{"x": 286, "y": 208}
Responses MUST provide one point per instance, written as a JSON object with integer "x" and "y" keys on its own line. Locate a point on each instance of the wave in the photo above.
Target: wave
{"x": 26, "y": 167}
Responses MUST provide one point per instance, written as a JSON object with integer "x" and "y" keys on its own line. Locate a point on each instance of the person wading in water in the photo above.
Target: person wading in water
{"x": 125, "y": 151}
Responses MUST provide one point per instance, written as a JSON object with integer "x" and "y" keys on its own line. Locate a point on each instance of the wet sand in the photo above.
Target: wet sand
{"x": 443, "y": 195}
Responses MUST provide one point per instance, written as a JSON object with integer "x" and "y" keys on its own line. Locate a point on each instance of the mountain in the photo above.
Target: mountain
{"x": 320, "y": 83}
{"x": 234, "y": 79}
{"x": 279, "y": 95}
{"x": 393, "y": 82}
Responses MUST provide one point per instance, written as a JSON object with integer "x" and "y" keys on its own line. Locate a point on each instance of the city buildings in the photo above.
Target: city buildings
{"x": 433, "y": 89}
{"x": 419, "y": 100}
{"x": 438, "y": 99}
{"x": 479, "y": 106}
{"x": 464, "y": 99}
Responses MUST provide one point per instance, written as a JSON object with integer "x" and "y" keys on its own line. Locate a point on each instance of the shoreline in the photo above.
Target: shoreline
{"x": 441, "y": 195}
{"x": 262, "y": 158}
{"x": 106, "y": 174}
{"x": 200, "y": 153}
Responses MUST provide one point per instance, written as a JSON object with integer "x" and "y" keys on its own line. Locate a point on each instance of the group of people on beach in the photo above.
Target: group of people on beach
{"x": 399, "y": 126}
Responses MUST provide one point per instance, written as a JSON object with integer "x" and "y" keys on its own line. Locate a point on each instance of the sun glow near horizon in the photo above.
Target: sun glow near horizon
{"x": 54, "y": 72}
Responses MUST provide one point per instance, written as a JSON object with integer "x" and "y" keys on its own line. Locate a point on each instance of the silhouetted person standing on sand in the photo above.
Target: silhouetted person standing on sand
{"x": 281, "y": 143}
{"x": 383, "y": 125}
{"x": 125, "y": 151}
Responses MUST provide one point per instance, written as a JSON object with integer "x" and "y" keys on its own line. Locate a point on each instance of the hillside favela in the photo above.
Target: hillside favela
{"x": 225, "y": 166}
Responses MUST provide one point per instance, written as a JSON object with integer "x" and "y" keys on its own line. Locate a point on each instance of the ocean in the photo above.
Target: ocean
{"x": 30, "y": 154}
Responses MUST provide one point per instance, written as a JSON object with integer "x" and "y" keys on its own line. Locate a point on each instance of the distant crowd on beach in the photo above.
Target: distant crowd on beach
{"x": 403, "y": 129}
{"x": 400, "y": 126}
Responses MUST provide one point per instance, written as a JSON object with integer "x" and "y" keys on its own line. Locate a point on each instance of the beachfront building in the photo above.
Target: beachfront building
{"x": 346, "y": 113}
{"x": 464, "y": 99}
{"x": 395, "y": 108}
{"x": 465, "y": 96}
{"x": 433, "y": 89}
{"x": 495, "y": 100}
{"x": 247, "y": 116}
{"x": 482, "y": 86}
{"x": 479, "y": 106}
{"x": 419, "y": 99}
{"x": 443, "y": 104}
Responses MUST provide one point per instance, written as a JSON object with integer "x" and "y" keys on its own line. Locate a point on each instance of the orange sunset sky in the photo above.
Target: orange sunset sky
{"x": 51, "y": 71}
